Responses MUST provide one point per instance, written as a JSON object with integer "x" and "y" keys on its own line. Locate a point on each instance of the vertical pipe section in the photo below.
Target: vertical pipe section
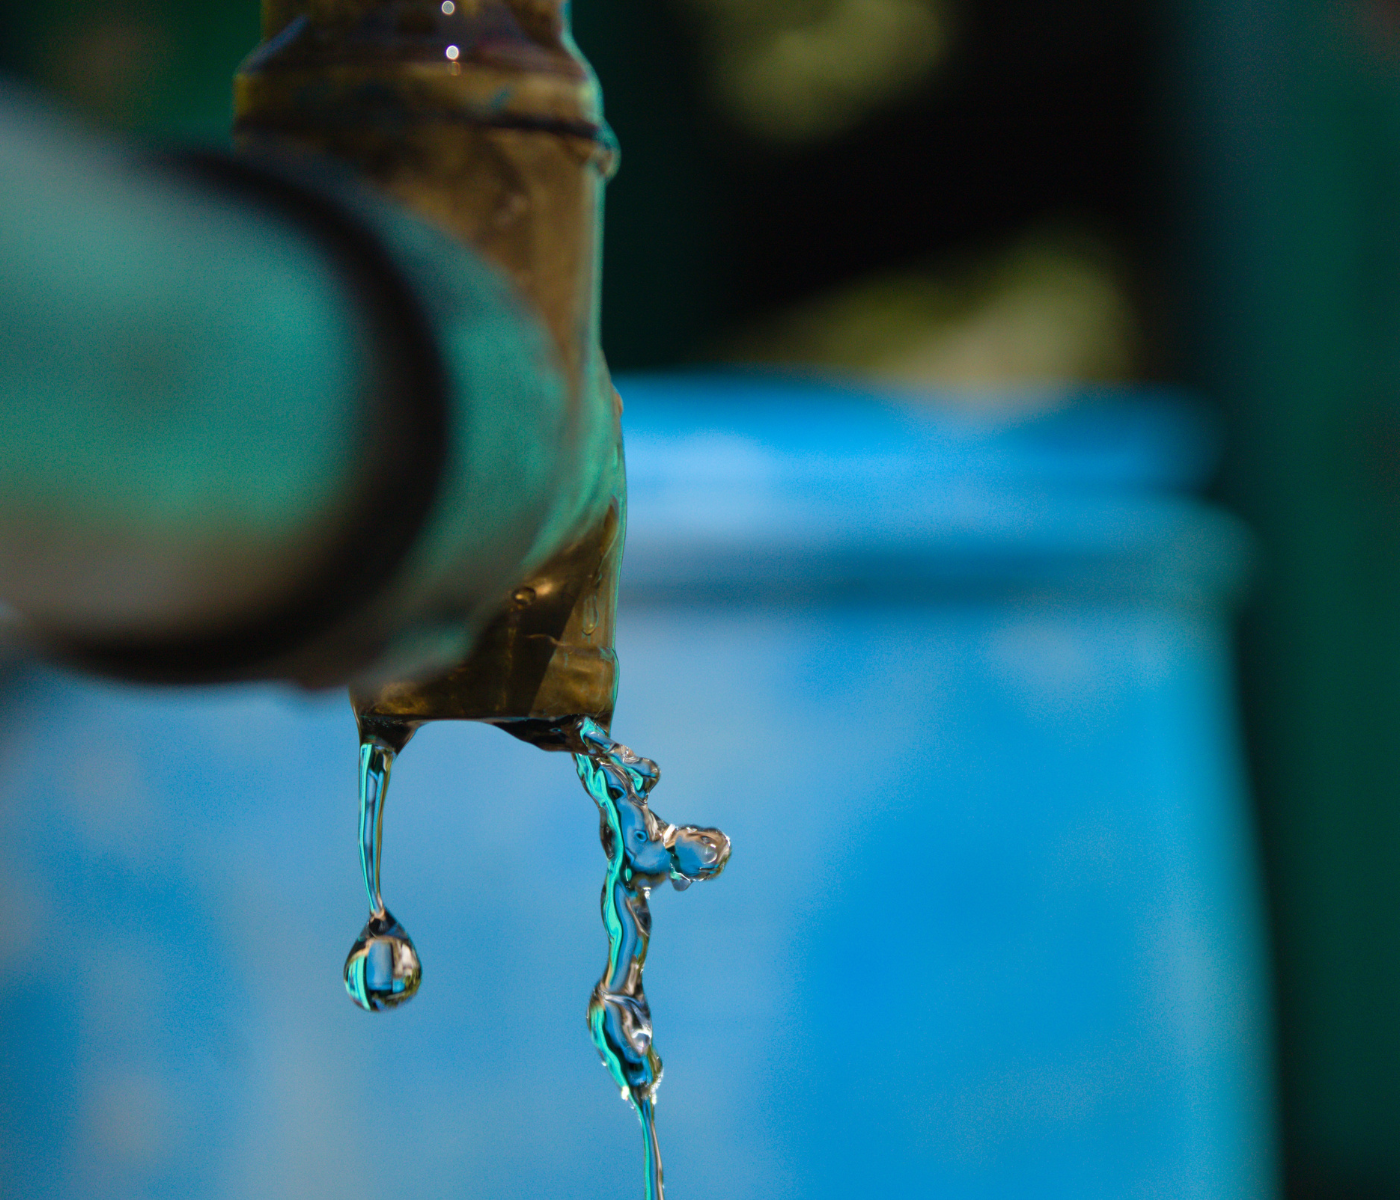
{"x": 483, "y": 118}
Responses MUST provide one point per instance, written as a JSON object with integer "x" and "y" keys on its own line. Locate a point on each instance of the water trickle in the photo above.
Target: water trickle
{"x": 643, "y": 851}
{"x": 382, "y": 969}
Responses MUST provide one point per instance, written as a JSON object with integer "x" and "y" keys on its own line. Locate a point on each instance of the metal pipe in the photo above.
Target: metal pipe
{"x": 481, "y": 116}
{"x": 134, "y": 311}
{"x": 256, "y": 425}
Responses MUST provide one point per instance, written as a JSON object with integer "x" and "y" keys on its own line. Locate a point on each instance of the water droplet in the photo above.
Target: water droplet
{"x": 382, "y": 969}
{"x": 589, "y": 619}
{"x": 452, "y": 52}
{"x": 448, "y": 8}
{"x": 523, "y": 596}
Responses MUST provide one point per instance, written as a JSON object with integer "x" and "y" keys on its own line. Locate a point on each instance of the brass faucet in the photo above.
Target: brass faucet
{"x": 482, "y": 117}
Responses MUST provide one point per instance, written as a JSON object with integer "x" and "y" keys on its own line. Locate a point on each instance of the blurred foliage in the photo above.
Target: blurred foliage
{"x": 772, "y": 152}
{"x": 799, "y": 70}
{"x": 927, "y": 132}
{"x": 1050, "y": 307}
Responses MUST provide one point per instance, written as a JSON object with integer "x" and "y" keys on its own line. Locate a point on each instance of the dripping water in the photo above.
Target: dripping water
{"x": 643, "y": 851}
{"x": 382, "y": 969}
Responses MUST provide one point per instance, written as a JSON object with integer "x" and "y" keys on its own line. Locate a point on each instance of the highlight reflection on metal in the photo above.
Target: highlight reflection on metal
{"x": 482, "y": 117}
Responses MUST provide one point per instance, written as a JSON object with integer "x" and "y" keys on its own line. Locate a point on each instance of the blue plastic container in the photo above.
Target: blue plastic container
{"x": 958, "y": 688}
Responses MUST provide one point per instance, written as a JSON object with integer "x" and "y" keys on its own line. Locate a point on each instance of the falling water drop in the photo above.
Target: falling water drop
{"x": 642, "y": 851}
{"x": 382, "y": 969}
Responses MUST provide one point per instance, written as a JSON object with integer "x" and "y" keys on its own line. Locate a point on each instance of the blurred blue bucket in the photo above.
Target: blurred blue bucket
{"x": 958, "y": 687}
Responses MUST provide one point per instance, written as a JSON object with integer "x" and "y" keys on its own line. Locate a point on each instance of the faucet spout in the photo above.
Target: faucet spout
{"x": 482, "y": 117}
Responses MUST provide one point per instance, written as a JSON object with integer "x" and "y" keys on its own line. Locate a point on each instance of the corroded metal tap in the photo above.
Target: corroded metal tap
{"x": 482, "y": 117}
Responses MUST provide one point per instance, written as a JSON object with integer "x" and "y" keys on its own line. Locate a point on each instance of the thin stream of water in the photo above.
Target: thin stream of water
{"x": 643, "y": 851}
{"x": 383, "y": 969}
